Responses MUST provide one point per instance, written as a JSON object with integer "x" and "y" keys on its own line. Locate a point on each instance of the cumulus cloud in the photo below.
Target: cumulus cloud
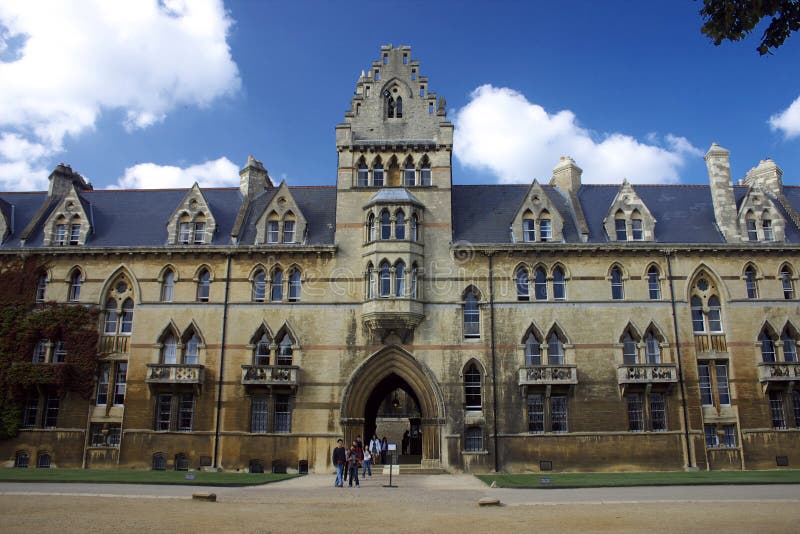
{"x": 220, "y": 172}
{"x": 501, "y": 131}
{"x": 788, "y": 120}
{"x": 64, "y": 63}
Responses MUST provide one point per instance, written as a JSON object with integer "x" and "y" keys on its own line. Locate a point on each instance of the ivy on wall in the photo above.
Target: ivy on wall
{"x": 22, "y": 324}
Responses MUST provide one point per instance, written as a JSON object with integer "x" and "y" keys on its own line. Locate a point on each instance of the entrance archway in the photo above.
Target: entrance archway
{"x": 389, "y": 369}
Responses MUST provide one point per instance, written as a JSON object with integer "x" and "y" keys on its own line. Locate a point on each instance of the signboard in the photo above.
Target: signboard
{"x": 544, "y": 481}
{"x": 392, "y": 446}
{"x": 189, "y": 476}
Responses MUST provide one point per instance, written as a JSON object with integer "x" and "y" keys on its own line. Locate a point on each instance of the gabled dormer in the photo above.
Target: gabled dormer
{"x": 6, "y": 220}
{"x": 537, "y": 219}
{"x": 282, "y": 221}
{"x": 758, "y": 217}
{"x": 70, "y": 223}
{"x": 192, "y": 222}
{"x": 628, "y": 218}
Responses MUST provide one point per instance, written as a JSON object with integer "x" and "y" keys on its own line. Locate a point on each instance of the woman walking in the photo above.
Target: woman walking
{"x": 352, "y": 464}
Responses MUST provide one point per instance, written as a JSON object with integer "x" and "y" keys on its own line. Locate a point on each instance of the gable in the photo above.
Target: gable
{"x": 5, "y": 220}
{"x": 282, "y": 208}
{"x": 757, "y": 208}
{"x": 628, "y": 206}
{"x": 194, "y": 211}
{"x": 69, "y": 223}
{"x": 537, "y": 206}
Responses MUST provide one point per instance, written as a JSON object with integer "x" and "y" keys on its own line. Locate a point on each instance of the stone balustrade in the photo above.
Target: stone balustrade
{"x": 162, "y": 373}
{"x": 113, "y": 344}
{"x": 535, "y": 375}
{"x": 269, "y": 375}
{"x": 649, "y": 373}
{"x": 778, "y": 372}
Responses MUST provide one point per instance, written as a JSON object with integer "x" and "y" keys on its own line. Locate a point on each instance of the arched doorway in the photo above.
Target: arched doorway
{"x": 389, "y": 370}
{"x": 393, "y": 411}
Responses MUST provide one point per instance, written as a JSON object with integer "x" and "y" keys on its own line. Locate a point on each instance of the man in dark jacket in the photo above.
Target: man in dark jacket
{"x": 339, "y": 460}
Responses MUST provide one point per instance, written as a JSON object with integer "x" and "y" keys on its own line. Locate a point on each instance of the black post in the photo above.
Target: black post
{"x": 222, "y": 360}
{"x": 494, "y": 363}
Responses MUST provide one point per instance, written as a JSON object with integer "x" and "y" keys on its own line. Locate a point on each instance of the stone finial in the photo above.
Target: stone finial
{"x": 253, "y": 178}
{"x": 766, "y": 175}
{"x": 716, "y": 151}
{"x": 567, "y": 175}
{"x": 719, "y": 179}
{"x": 63, "y": 177}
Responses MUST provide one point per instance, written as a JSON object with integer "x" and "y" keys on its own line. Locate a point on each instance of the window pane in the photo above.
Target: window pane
{"x": 766, "y": 226}
{"x": 288, "y": 232}
{"x": 750, "y": 282}
{"x": 400, "y": 225}
{"x": 714, "y": 315}
{"x": 536, "y": 414}
{"x": 635, "y": 412}
{"x": 796, "y": 407}
{"x": 472, "y": 316}
{"x": 704, "y": 376}
{"x": 472, "y": 389}
{"x": 752, "y": 233}
{"x": 169, "y": 351}
{"x": 191, "y": 352}
{"x": 294, "y": 286}
{"x": 102, "y": 384}
{"x": 120, "y": 383}
{"x": 558, "y": 413}
{"x": 400, "y": 279}
{"x": 620, "y": 229}
{"x": 386, "y": 225}
{"x": 425, "y": 174}
{"x": 164, "y": 413}
{"x": 283, "y": 415}
{"x": 40, "y": 351}
{"x": 276, "y": 286}
{"x": 285, "y": 350}
{"x": 555, "y": 350}
{"x": 767, "y": 348}
{"x": 75, "y": 287}
{"x": 262, "y": 351}
{"x": 61, "y": 234}
{"x": 653, "y": 284}
{"x": 409, "y": 177}
{"x": 126, "y": 324}
{"x": 540, "y": 284}
{"x": 629, "y": 350}
{"x": 776, "y": 409}
{"x": 414, "y": 231}
{"x": 698, "y": 322}
{"x": 712, "y": 439}
{"x": 186, "y": 412}
{"x": 528, "y": 230}
{"x": 545, "y": 232}
{"x": 185, "y": 232}
{"x": 258, "y": 414}
{"x": 204, "y": 286}
{"x": 199, "y": 233}
{"x": 523, "y": 290}
{"x": 722, "y": 383}
{"x": 788, "y": 285}
{"x": 51, "y": 411}
{"x": 473, "y": 440}
{"x": 272, "y": 232}
{"x": 168, "y": 286}
{"x": 110, "y": 323}
{"x": 789, "y": 348}
{"x": 559, "y": 285}
{"x": 653, "y": 348}
{"x": 30, "y": 412}
{"x": 377, "y": 176}
{"x": 636, "y": 229}
{"x": 385, "y": 280}
{"x": 532, "y": 351}
{"x": 259, "y": 286}
{"x": 363, "y": 175}
{"x": 729, "y": 436}
{"x": 658, "y": 412}
{"x": 616, "y": 284}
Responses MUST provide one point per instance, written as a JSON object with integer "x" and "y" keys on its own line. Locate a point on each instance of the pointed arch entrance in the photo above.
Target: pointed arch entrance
{"x": 388, "y": 369}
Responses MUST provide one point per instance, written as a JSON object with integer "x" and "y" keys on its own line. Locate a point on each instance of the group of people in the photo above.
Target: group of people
{"x": 349, "y": 461}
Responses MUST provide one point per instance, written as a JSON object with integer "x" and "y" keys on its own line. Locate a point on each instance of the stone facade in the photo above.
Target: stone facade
{"x": 529, "y": 329}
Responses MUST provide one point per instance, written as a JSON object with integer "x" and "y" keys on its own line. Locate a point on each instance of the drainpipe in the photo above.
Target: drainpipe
{"x": 667, "y": 254}
{"x": 222, "y": 361}
{"x": 494, "y": 362}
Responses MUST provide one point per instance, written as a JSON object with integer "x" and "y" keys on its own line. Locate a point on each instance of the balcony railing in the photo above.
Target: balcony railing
{"x": 269, "y": 375}
{"x": 535, "y": 375}
{"x": 113, "y": 344}
{"x": 778, "y": 371}
{"x": 161, "y": 373}
{"x": 663, "y": 373}
{"x": 710, "y": 343}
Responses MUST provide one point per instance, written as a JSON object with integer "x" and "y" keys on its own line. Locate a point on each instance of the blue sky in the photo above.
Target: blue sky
{"x": 166, "y": 93}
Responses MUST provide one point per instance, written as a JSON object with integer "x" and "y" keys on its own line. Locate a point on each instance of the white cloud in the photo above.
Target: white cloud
{"x": 74, "y": 60}
{"x": 220, "y": 172}
{"x": 788, "y": 120}
{"x": 517, "y": 140}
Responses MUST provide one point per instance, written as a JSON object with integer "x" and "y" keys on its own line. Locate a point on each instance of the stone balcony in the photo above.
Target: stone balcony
{"x": 778, "y": 373}
{"x": 163, "y": 373}
{"x": 113, "y": 344}
{"x": 548, "y": 375}
{"x": 392, "y": 313}
{"x": 270, "y": 375}
{"x": 647, "y": 374}
{"x": 710, "y": 343}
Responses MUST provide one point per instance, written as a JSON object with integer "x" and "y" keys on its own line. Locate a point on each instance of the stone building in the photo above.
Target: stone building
{"x": 555, "y": 325}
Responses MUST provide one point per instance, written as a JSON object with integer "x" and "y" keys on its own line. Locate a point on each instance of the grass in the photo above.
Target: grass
{"x": 668, "y": 478}
{"x": 201, "y": 478}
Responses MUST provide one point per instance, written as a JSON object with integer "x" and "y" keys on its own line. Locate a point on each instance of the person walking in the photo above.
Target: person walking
{"x": 339, "y": 462}
{"x": 352, "y": 464}
{"x": 406, "y": 441}
{"x": 375, "y": 449}
{"x": 367, "y": 464}
{"x": 384, "y": 449}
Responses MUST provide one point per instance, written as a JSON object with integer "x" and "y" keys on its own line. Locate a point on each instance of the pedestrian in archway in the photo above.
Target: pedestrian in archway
{"x": 339, "y": 462}
{"x": 384, "y": 449}
{"x": 375, "y": 449}
{"x": 406, "y": 441}
{"x": 367, "y": 464}
{"x": 353, "y": 464}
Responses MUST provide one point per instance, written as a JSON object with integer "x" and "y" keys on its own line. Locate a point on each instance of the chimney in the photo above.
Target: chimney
{"x": 767, "y": 175}
{"x": 62, "y": 177}
{"x": 253, "y": 178}
{"x": 719, "y": 178}
{"x": 567, "y": 175}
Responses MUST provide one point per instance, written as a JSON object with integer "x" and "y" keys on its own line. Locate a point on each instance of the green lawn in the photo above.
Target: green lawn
{"x": 669, "y": 478}
{"x": 13, "y": 474}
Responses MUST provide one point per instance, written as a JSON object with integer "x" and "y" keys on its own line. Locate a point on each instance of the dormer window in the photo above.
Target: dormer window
{"x": 288, "y": 231}
{"x": 620, "y": 227}
{"x": 529, "y": 228}
{"x": 272, "y": 231}
{"x": 545, "y": 228}
{"x": 199, "y": 233}
{"x": 752, "y": 231}
{"x": 61, "y": 234}
{"x": 766, "y": 227}
{"x": 636, "y": 229}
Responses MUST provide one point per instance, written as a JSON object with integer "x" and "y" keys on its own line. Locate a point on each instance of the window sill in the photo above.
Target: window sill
{"x": 475, "y": 453}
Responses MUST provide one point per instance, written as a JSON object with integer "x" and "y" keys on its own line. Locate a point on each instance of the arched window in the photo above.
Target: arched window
{"x": 41, "y": 287}
{"x": 559, "y": 284}
{"x": 288, "y": 228}
{"x": 473, "y": 439}
{"x": 653, "y": 283}
{"x": 523, "y": 284}
{"x": 409, "y": 174}
{"x": 698, "y": 321}
{"x": 540, "y": 283}
{"x": 191, "y": 349}
{"x": 620, "y": 226}
{"x": 767, "y": 347}
{"x": 750, "y": 282}
{"x": 385, "y": 287}
{"x": 617, "y": 289}
{"x": 400, "y": 279}
{"x": 181, "y": 462}
{"x": 533, "y": 350}
{"x": 371, "y": 227}
{"x": 714, "y": 314}
{"x": 377, "y": 174}
{"x": 40, "y": 351}
{"x": 273, "y": 228}
{"x": 652, "y": 348}
{"x": 370, "y": 281}
{"x": 159, "y": 462}
{"x": 261, "y": 352}
{"x": 545, "y": 226}
{"x": 472, "y": 315}
{"x": 21, "y": 459}
{"x": 636, "y": 226}
{"x": 389, "y": 105}
{"x": 386, "y": 225}
{"x": 787, "y": 283}
{"x": 285, "y": 349}
{"x": 295, "y": 287}
{"x": 789, "y": 346}
{"x": 399, "y": 225}
{"x": 629, "y": 349}
{"x": 472, "y": 388}
{"x": 43, "y": 460}
{"x": 412, "y": 280}
{"x": 110, "y": 322}
{"x": 75, "y": 282}
{"x": 425, "y": 172}
{"x": 126, "y": 323}
{"x": 398, "y": 107}
{"x": 528, "y": 227}
{"x": 203, "y": 286}
{"x": 363, "y": 174}
{"x": 555, "y": 350}
{"x": 414, "y": 232}
{"x": 752, "y": 229}
{"x": 276, "y": 286}
{"x": 766, "y": 227}
{"x": 168, "y": 286}
{"x": 260, "y": 286}
{"x": 169, "y": 350}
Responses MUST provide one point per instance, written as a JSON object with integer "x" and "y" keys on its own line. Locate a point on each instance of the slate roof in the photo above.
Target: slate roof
{"x": 391, "y": 195}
